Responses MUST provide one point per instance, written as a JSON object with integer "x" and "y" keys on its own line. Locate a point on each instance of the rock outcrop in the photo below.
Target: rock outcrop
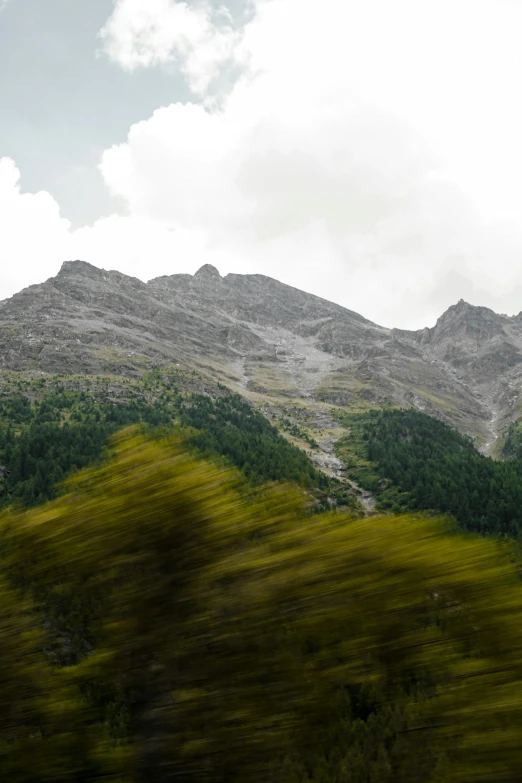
{"x": 269, "y": 338}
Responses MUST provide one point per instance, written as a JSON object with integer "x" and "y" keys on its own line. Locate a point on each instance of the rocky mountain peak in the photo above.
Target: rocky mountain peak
{"x": 469, "y": 323}
{"x": 480, "y": 345}
{"x": 207, "y": 272}
{"x": 461, "y": 323}
{"x": 465, "y": 310}
{"x": 80, "y": 276}
{"x": 83, "y": 268}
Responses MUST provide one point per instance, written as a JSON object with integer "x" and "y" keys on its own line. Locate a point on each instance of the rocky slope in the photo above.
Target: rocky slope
{"x": 274, "y": 343}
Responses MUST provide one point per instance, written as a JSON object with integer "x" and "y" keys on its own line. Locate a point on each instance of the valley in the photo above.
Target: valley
{"x": 295, "y": 357}
{"x": 281, "y": 456}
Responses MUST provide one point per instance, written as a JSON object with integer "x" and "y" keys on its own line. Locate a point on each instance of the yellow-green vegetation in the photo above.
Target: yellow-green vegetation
{"x": 442, "y": 403}
{"x": 343, "y": 387}
{"x": 352, "y": 448}
{"x": 163, "y": 621}
{"x": 269, "y": 377}
{"x": 119, "y": 356}
{"x": 298, "y": 432}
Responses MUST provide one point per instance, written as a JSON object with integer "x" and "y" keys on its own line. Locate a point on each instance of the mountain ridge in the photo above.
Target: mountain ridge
{"x": 269, "y": 341}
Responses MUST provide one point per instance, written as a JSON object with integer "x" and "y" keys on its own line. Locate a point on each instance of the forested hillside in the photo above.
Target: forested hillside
{"x": 49, "y": 437}
{"x": 203, "y": 628}
{"x": 512, "y": 448}
{"x": 158, "y": 624}
{"x": 415, "y": 462}
{"x": 231, "y": 427}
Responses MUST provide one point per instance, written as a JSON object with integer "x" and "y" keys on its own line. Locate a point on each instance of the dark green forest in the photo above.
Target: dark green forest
{"x": 412, "y": 462}
{"x": 512, "y": 448}
{"x": 409, "y": 460}
{"x": 232, "y": 428}
{"x": 43, "y": 441}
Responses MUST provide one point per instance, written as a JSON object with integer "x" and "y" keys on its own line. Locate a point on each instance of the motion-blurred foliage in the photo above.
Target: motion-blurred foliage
{"x": 163, "y": 621}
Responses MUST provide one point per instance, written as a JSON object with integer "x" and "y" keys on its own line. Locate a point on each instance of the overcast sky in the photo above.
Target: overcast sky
{"x": 368, "y": 152}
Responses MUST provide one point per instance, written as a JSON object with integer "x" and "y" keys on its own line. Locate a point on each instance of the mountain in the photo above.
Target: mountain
{"x": 163, "y": 619}
{"x": 276, "y": 345}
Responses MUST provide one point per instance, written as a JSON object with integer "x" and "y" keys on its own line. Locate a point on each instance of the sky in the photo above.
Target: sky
{"x": 367, "y": 152}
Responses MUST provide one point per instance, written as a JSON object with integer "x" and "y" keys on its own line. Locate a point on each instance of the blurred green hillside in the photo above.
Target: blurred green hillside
{"x": 166, "y": 620}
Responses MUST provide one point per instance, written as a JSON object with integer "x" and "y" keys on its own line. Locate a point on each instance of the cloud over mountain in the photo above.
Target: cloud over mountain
{"x": 363, "y": 151}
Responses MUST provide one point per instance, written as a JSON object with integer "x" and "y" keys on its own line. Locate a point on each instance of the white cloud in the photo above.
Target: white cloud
{"x": 139, "y": 247}
{"x": 32, "y": 233}
{"x": 358, "y": 160}
{"x": 369, "y": 152}
{"x": 35, "y": 240}
{"x": 144, "y": 33}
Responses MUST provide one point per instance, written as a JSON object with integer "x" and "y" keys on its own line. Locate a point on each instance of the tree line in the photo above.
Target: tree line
{"x": 412, "y": 461}
{"x": 44, "y": 441}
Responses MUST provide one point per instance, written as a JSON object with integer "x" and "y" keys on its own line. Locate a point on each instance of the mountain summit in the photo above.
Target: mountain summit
{"x": 266, "y": 338}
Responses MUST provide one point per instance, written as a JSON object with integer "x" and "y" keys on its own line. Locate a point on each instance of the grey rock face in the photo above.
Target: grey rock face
{"x": 270, "y": 337}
